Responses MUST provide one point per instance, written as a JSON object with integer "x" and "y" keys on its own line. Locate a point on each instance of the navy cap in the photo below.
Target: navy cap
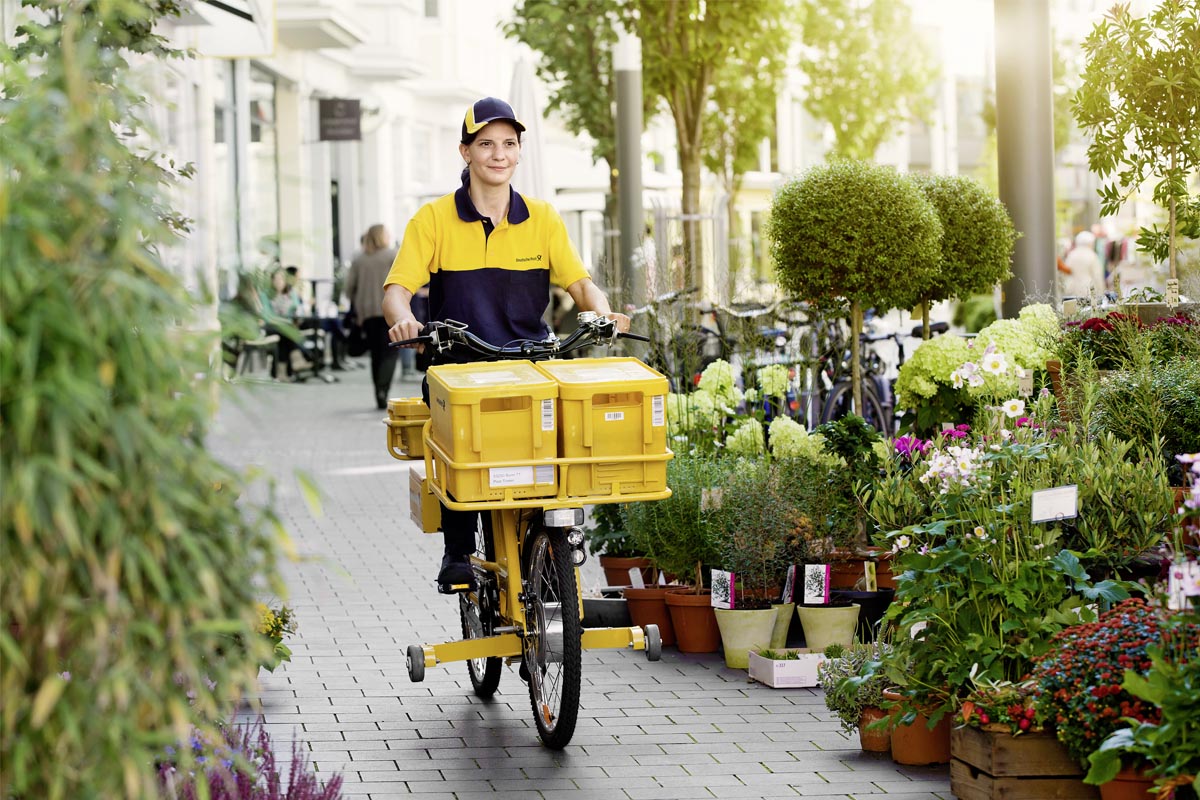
{"x": 489, "y": 109}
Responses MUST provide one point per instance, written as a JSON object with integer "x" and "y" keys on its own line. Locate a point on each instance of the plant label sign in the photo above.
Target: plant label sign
{"x": 1069, "y": 308}
{"x": 789, "y": 586}
{"x": 1172, "y": 295}
{"x": 870, "y": 580}
{"x": 816, "y": 584}
{"x": 1025, "y": 382}
{"x": 1051, "y": 505}
{"x": 722, "y": 589}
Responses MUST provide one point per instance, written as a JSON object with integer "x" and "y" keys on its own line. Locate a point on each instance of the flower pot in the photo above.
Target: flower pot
{"x": 1054, "y": 370}
{"x": 987, "y": 762}
{"x": 616, "y": 570}
{"x": 915, "y": 744}
{"x": 649, "y": 607}
{"x": 783, "y": 620}
{"x": 743, "y": 630}
{"x": 695, "y": 623}
{"x": 873, "y": 741}
{"x": 826, "y": 625}
{"x": 872, "y": 606}
{"x": 1131, "y": 783}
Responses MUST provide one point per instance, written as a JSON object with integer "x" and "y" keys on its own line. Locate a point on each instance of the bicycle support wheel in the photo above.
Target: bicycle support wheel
{"x": 840, "y": 401}
{"x": 477, "y": 611}
{"x": 552, "y": 636}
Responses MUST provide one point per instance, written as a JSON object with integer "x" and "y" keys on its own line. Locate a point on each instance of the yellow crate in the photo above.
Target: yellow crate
{"x": 423, "y": 506}
{"x": 610, "y": 408}
{"x": 502, "y": 413}
{"x": 406, "y": 417}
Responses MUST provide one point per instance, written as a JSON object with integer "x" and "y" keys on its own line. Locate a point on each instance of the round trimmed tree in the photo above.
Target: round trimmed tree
{"x": 977, "y": 239}
{"x": 857, "y": 233}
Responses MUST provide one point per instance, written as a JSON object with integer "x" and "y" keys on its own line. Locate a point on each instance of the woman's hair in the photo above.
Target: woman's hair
{"x": 468, "y": 138}
{"x": 375, "y": 239}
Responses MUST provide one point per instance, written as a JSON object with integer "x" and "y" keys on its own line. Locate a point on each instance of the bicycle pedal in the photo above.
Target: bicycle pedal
{"x": 454, "y": 588}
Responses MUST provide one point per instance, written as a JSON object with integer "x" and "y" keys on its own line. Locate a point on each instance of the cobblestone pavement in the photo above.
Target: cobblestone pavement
{"x": 684, "y": 727}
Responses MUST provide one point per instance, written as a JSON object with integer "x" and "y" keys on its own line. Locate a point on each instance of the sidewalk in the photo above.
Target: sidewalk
{"x": 684, "y": 727}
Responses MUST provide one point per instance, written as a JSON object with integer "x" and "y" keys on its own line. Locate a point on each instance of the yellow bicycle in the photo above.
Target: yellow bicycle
{"x": 531, "y": 441}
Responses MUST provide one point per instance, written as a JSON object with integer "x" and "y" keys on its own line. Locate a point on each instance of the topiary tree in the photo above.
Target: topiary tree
{"x": 130, "y": 567}
{"x": 977, "y": 240}
{"x": 858, "y": 233}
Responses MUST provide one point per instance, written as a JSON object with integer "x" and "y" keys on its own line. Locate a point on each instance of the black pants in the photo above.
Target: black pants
{"x": 383, "y": 358}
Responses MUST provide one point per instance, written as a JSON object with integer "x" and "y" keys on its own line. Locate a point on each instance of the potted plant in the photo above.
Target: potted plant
{"x": 608, "y": 539}
{"x": 841, "y": 232}
{"x": 1080, "y": 680}
{"x": 977, "y": 240}
{"x": 854, "y": 691}
{"x": 1171, "y": 746}
{"x": 754, "y": 538}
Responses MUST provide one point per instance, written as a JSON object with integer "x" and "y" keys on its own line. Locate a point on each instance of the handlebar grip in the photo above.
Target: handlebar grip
{"x": 404, "y": 342}
{"x": 637, "y": 337}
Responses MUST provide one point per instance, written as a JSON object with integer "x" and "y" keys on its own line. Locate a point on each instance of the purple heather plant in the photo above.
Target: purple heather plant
{"x": 222, "y": 771}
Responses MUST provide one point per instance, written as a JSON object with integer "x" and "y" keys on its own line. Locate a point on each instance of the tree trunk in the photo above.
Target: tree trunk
{"x": 734, "y": 269}
{"x": 1171, "y": 227}
{"x": 689, "y": 163}
{"x": 925, "y": 320}
{"x": 856, "y": 326}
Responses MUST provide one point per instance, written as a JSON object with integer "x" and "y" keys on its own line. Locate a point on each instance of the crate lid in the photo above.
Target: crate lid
{"x": 615, "y": 373}
{"x": 404, "y": 406}
{"x": 491, "y": 377}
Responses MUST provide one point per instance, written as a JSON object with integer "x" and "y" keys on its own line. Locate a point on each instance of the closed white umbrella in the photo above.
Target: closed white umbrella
{"x": 530, "y": 177}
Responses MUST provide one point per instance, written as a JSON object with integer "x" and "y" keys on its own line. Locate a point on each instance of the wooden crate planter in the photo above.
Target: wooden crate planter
{"x": 990, "y": 765}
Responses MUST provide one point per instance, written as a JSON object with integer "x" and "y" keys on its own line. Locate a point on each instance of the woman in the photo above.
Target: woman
{"x": 489, "y": 256}
{"x": 364, "y": 287}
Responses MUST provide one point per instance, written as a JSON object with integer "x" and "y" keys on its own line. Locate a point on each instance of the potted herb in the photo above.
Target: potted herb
{"x": 611, "y": 543}
{"x": 854, "y": 689}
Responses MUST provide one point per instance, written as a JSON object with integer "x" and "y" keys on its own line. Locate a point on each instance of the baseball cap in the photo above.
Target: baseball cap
{"x": 489, "y": 109}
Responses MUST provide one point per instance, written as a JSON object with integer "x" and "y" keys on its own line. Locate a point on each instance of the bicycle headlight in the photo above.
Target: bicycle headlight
{"x": 575, "y": 537}
{"x": 578, "y": 556}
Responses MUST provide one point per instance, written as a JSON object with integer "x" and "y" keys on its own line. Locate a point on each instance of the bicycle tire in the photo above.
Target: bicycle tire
{"x": 553, "y": 637}
{"x": 477, "y": 611}
{"x": 840, "y": 402}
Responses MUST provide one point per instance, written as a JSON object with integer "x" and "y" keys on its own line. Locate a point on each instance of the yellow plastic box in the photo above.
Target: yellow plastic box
{"x": 406, "y": 417}
{"x": 500, "y": 415}
{"x": 611, "y": 408}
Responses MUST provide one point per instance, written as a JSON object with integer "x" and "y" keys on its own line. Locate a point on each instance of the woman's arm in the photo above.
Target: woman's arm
{"x": 588, "y": 297}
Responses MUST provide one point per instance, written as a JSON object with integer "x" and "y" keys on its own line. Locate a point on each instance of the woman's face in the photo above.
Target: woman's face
{"x": 494, "y": 153}
{"x": 279, "y": 280}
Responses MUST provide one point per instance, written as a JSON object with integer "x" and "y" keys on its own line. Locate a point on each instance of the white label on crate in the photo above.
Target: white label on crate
{"x": 543, "y": 474}
{"x": 658, "y": 411}
{"x": 510, "y": 476}
{"x": 547, "y": 415}
{"x": 614, "y": 416}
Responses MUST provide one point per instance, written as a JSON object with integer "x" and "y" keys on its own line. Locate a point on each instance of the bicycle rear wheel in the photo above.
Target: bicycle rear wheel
{"x": 477, "y": 610}
{"x": 841, "y": 400}
{"x": 553, "y": 637}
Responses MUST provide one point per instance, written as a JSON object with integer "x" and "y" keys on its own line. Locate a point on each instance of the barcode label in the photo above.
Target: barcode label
{"x": 658, "y": 411}
{"x": 547, "y": 415}
{"x": 614, "y": 416}
{"x": 543, "y": 474}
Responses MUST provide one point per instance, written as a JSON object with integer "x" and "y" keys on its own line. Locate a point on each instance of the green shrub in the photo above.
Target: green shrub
{"x": 129, "y": 563}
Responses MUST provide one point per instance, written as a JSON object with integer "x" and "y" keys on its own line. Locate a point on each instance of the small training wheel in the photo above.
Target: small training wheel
{"x": 653, "y": 643}
{"x": 416, "y": 663}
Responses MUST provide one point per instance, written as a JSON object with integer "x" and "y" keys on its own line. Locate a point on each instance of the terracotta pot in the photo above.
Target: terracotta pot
{"x": 1054, "y": 370}
{"x": 695, "y": 623}
{"x": 616, "y": 569}
{"x": 873, "y": 741}
{"x": 649, "y": 607}
{"x": 1131, "y": 783}
{"x": 915, "y": 744}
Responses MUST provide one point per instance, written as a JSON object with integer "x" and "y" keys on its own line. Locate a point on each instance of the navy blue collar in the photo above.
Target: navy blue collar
{"x": 518, "y": 212}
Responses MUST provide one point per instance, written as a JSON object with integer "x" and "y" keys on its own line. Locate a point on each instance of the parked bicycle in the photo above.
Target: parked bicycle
{"x": 525, "y": 606}
{"x": 678, "y": 349}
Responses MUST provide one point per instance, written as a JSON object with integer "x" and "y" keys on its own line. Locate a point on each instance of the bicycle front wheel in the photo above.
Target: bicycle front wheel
{"x": 553, "y": 637}
{"x": 841, "y": 400}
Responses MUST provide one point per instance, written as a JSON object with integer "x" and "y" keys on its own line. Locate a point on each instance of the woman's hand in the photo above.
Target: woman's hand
{"x": 405, "y": 329}
{"x": 622, "y": 321}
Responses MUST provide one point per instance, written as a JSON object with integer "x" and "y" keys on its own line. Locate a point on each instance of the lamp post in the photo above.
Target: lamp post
{"x": 627, "y": 64}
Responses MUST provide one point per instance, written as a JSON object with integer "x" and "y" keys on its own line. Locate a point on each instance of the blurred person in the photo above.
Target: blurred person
{"x": 285, "y": 307}
{"x": 490, "y": 256}
{"x": 364, "y": 287}
{"x": 1084, "y": 277}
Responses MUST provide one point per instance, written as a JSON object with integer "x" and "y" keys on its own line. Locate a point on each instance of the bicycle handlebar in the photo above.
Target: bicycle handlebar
{"x": 662, "y": 300}
{"x": 593, "y": 330}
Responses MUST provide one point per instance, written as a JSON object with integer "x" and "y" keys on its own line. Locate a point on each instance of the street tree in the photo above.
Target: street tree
{"x": 1140, "y": 100}
{"x": 741, "y": 115}
{"x": 687, "y": 46}
{"x": 867, "y": 69}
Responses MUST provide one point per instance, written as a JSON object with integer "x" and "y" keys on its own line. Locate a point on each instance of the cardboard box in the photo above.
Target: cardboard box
{"x": 796, "y": 673}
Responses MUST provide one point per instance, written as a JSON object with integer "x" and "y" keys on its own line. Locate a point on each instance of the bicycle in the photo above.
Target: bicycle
{"x": 878, "y": 391}
{"x": 681, "y": 354}
{"x": 526, "y": 605}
